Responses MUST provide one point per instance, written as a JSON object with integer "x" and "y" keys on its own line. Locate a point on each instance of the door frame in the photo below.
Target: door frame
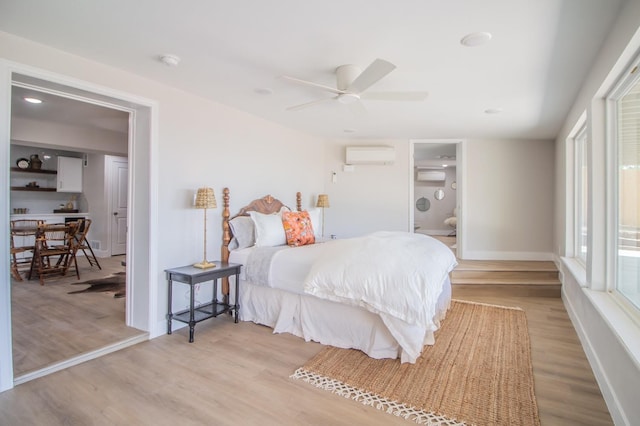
{"x": 461, "y": 177}
{"x": 142, "y": 255}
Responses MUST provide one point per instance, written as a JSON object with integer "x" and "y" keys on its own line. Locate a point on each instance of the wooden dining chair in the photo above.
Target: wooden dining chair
{"x": 23, "y": 232}
{"x": 80, "y": 243}
{"x": 53, "y": 250}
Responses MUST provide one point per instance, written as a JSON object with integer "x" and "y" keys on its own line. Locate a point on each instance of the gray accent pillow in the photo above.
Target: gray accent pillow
{"x": 243, "y": 230}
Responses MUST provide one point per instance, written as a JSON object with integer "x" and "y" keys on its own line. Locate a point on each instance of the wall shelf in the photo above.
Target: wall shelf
{"x": 25, "y": 188}
{"x": 42, "y": 172}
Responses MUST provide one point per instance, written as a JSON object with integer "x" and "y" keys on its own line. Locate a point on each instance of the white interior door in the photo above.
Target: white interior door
{"x": 119, "y": 184}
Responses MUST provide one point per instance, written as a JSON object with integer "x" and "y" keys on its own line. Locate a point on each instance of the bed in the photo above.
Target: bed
{"x": 384, "y": 293}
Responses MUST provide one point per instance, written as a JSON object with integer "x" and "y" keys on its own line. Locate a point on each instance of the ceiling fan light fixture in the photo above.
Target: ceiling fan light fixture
{"x": 475, "y": 39}
{"x": 348, "y": 98}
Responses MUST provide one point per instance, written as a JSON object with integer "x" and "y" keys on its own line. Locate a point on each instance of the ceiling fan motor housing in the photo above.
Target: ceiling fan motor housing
{"x": 345, "y": 75}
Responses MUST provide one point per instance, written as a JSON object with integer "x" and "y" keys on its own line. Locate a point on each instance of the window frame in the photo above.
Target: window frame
{"x": 581, "y": 159}
{"x": 629, "y": 78}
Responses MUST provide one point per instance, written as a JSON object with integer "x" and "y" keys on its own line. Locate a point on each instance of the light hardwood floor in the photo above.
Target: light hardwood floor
{"x": 238, "y": 374}
{"x": 49, "y": 325}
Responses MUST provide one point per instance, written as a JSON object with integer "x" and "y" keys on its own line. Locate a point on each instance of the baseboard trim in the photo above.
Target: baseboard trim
{"x": 616, "y": 409}
{"x": 441, "y": 232}
{"x": 80, "y": 359}
{"x": 536, "y": 256}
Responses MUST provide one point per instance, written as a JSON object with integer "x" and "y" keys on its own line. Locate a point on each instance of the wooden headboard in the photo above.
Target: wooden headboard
{"x": 265, "y": 205}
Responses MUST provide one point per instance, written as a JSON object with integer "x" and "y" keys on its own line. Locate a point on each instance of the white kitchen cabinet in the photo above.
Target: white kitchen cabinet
{"x": 69, "y": 174}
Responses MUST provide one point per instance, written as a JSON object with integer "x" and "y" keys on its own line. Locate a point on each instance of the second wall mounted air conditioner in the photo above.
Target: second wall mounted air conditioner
{"x": 370, "y": 155}
{"x": 431, "y": 175}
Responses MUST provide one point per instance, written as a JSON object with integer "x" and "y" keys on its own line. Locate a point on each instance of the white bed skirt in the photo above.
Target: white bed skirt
{"x": 329, "y": 323}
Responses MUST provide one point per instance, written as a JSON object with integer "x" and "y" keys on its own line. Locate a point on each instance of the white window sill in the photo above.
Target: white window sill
{"x": 577, "y": 269}
{"x": 623, "y": 323}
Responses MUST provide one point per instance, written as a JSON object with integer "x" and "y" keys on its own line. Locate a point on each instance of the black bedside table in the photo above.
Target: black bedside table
{"x": 192, "y": 276}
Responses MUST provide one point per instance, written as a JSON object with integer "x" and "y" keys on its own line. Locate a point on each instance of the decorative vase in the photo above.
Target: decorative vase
{"x": 35, "y": 162}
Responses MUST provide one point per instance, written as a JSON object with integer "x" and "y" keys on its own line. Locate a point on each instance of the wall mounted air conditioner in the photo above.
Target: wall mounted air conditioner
{"x": 431, "y": 175}
{"x": 370, "y": 155}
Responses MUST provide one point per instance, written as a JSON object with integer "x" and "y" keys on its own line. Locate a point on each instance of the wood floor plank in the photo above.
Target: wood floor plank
{"x": 239, "y": 374}
{"x": 565, "y": 386}
{"x": 49, "y": 325}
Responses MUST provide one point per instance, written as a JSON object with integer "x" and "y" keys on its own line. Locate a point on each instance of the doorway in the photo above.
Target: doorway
{"x": 436, "y": 188}
{"x": 141, "y": 258}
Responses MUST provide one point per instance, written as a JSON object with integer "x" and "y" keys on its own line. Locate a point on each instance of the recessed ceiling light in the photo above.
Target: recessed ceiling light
{"x": 349, "y": 130}
{"x": 33, "y": 100}
{"x": 493, "y": 110}
{"x": 264, "y": 91}
{"x": 170, "y": 60}
{"x": 475, "y": 39}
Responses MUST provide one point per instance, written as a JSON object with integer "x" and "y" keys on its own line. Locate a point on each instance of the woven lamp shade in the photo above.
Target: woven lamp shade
{"x": 323, "y": 200}
{"x": 205, "y": 199}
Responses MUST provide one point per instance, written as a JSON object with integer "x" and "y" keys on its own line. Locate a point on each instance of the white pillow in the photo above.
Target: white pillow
{"x": 269, "y": 229}
{"x": 316, "y": 221}
{"x": 243, "y": 230}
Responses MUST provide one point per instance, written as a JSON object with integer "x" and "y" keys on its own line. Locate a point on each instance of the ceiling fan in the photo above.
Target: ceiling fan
{"x": 352, "y": 85}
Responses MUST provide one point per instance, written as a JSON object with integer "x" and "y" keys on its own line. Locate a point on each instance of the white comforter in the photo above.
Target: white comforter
{"x": 396, "y": 275}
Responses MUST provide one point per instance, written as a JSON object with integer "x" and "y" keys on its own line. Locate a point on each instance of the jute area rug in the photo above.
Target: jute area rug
{"x": 478, "y": 372}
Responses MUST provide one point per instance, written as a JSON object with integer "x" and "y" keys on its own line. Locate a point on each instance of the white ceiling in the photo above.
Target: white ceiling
{"x": 67, "y": 111}
{"x": 532, "y": 68}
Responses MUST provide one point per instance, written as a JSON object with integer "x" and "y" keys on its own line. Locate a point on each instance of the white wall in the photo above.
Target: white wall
{"x": 607, "y": 333}
{"x": 372, "y": 197}
{"x": 509, "y": 189}
{"x": 509, "y": 205}
{"x": 199, "y": 142}
{"x": 35, "y": 132}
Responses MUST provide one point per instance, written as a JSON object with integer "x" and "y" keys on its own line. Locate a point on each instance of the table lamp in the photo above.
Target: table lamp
{"x": 205, "y": 199}
{"x": 323, "y": 201}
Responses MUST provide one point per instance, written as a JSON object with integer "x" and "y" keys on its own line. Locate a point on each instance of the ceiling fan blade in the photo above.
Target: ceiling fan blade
{"x": 312, "y": 84}
{"x": 372, "y": 74}
{"x": 395, "y": 96}
{"x": 312, "y": 103}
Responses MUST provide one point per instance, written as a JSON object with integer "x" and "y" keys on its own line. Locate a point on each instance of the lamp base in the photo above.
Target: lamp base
{"x": 205, "y": 264}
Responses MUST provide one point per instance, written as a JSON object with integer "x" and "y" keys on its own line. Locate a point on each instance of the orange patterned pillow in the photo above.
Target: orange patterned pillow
{"x": 298, "y": 228}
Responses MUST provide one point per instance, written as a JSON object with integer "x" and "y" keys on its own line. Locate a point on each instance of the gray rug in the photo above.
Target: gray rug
{"x": 116, "y": 283}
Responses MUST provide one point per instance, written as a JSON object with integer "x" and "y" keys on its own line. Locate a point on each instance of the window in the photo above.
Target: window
{"x": 626, "y": 102}
{"x": 582, "y": 195}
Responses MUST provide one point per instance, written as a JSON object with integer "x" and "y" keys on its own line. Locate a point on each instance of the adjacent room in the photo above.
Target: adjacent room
{"x": 320, "y": 212}
{"x": 69, "y": 166}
